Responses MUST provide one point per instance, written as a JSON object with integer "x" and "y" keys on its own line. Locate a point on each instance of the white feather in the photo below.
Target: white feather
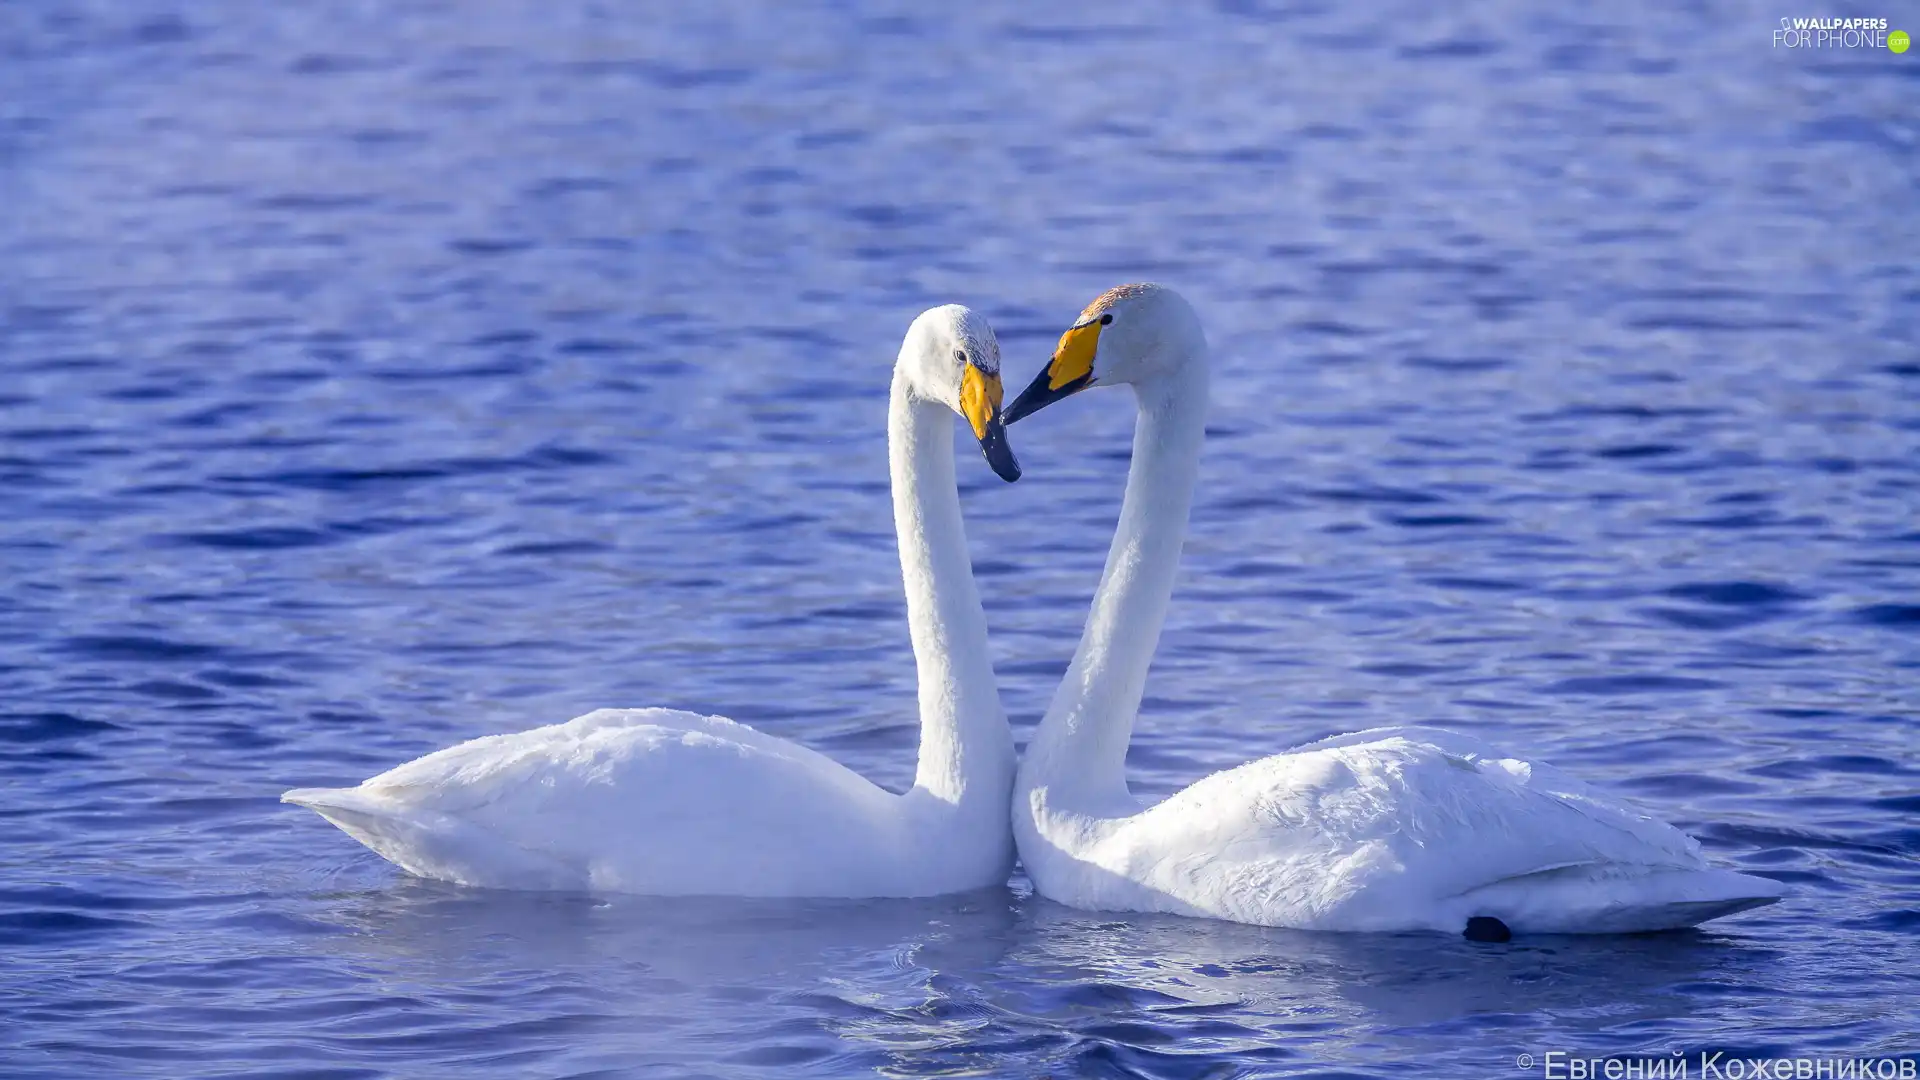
{"x": 664, "y": 802}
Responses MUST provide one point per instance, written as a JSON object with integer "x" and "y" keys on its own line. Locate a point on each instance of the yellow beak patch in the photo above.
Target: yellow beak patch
{"x": 980, "y": 399}
{"x": 1073, "y": 357}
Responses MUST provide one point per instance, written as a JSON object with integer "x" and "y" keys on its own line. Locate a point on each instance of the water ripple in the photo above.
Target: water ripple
{"x": 378, "y": 376}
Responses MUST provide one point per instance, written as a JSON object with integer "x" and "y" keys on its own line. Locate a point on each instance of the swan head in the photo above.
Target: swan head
{"x": 1130, "y": 334}
{"x": 952, "y": 357}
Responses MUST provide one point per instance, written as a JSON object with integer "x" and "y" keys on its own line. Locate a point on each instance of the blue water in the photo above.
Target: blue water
{"x": 375, "y": 376}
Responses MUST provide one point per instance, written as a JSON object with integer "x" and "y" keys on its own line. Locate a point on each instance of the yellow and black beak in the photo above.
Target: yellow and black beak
{"x": 1069, "y": 372}
{"x": 980, "y": 395}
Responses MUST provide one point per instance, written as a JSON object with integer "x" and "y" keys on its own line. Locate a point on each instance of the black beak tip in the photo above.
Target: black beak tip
{"x": 1030, "y": 399}
{"x": 1039, "y": 394}
{"x": 998, "y": 454}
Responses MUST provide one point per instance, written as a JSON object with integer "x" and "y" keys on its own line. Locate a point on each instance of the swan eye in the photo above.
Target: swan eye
{"x": 960, "y": 355}
{"x": 1107, "y": 319}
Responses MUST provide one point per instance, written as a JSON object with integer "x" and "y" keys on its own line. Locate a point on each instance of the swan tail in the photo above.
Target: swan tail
{"x": 430, "y": 844}
{"x": 1617, "y": 900}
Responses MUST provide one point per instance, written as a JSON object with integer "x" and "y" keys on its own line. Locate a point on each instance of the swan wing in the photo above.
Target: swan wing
{"x": 637, "y": 800}
{"x": 1404, "y": 828}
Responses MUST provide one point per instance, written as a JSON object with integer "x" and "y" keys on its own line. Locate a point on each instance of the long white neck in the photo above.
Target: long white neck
{"x": 966, "y": 748}
{"x": 1081, "y": 747}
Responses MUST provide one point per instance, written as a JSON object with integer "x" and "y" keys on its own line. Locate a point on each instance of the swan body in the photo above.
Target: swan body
{"x": 1403, "y": 828}
{"x": 663, "y": 802}
{"x": 653, "y": 801}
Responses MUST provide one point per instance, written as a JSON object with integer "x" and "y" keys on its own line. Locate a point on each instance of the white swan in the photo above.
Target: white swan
{"x": 671, "y": 803}
{"x": 1390, "y": 829}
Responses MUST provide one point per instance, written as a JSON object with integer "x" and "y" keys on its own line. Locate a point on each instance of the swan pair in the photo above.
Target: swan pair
{"x": 1389, "y": 829}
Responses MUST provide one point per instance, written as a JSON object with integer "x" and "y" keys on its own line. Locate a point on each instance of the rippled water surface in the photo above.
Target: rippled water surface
{"x": 374, "y": 376}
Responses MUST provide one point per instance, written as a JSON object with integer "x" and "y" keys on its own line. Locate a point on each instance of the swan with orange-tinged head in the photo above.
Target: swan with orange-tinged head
{"x": 1400, "y": 828}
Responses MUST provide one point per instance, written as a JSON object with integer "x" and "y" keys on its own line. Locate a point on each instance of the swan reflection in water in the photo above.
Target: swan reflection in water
{"x": 952, "y": 982}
